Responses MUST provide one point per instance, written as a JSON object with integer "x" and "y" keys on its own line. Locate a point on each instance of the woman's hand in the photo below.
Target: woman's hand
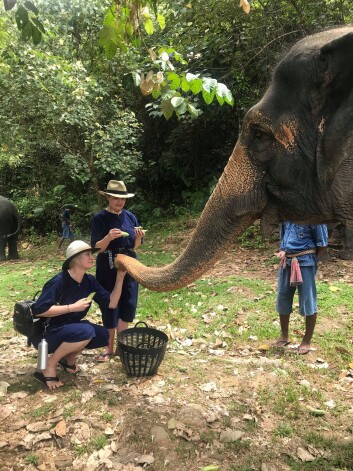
{"x": 80, "y": 305}
{"x": 114, "y": 234}
{"x": 139, "y": 233}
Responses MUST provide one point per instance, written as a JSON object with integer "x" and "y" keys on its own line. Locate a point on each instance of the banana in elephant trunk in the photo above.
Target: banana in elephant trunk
{"x": 236, "y": 202}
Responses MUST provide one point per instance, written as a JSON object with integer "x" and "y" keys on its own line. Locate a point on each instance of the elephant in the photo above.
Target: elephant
{"x": 293, "y": 160}
{"x": 9, "y": 229}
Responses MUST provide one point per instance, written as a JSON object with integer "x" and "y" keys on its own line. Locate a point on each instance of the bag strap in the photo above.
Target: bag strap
{"x": 36, "y": 295}
{"x": 63, "y": 288}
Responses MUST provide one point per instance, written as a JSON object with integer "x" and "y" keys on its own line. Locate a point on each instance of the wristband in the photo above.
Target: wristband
{"x": 68, "y": 308}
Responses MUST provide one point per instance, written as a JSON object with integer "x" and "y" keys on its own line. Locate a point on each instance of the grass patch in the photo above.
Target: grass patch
{"x": 237, "y": 313}
{"x": 283, "y": 430}
{"x": 96, "y": 443}
{"x": 42, "y": 411}
{"x": 32, "y": 458}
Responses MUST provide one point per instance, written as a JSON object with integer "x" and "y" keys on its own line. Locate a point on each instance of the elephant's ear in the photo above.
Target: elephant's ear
{"x": 337, "y": 111}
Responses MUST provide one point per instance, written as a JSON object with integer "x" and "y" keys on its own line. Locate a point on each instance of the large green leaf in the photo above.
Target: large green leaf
{"x": 208, "y": 97}
{"x": 36, "y": 35}
{"x": 21, "y": 17}
{"x": 174, "y": 80}
{"x": 38, "y": 24}
{"x": 105, "y": 35}
{"x": 129, "y": 28}
{"x": 196, "y": 86}
{"x": 136, "y": 77}
{"x": 110, "y": 16}
{"x": 149, "y": 28}
{"x": 167, "y": 109}
{"x": 27, "y": 31}
{"x": 177, "y": 101}
{"x": 184, "y": 85}
{"x": 161, "y": 21}
{"x": 31, "y": 7}
{"x": 189, "y": 77}
{"x": 193, "y": 111}
{"x": 223, "y": 94}
{"x": 209, "y": 84}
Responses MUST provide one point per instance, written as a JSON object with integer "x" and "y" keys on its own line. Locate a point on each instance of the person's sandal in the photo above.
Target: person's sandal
{"x": 67, "y": 367}
{"x": 303, "y": 350}
{"x": 104, "y": 357}
{"x": 44, "y": 379}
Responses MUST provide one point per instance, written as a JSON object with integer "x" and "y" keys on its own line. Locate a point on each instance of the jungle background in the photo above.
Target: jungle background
{"x": 76, "y": 111}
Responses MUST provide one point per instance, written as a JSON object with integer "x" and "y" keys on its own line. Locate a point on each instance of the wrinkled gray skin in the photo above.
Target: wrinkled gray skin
{"x": 293, "y": 160}
{"x": 9, "y": 228}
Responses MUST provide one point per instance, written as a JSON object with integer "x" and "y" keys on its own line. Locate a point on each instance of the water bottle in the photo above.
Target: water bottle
{"x": 42, "y": 355}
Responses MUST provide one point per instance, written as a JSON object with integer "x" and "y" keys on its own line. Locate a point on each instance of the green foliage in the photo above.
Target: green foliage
{"x": 28, "y": 22}
{"x": 71, "y": 109}
{"x": 64, "y": 119}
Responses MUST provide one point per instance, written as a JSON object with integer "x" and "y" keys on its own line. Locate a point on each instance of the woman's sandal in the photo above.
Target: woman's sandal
{"x": 103, "y": 357}
{"x": 67, "y": 367}
{"x": 44, "y": 379}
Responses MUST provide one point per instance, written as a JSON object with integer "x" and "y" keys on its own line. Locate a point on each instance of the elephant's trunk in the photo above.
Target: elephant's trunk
{"x": 235, "y": 203}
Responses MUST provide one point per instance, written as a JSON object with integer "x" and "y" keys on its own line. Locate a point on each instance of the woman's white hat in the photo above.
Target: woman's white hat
{"x": 116, "y": 188}
{"x": 75, "y": 248}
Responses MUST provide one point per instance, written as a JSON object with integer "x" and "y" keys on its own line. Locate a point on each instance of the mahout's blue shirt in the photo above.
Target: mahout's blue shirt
{"x": 300, "y": 237}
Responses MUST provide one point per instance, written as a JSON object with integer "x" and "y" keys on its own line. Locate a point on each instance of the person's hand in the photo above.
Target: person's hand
{"x": 281, "y": 254}
{"x": 80, "y": 305}
{"x": 114, "y": 234}
{"x": 139, "y": 233}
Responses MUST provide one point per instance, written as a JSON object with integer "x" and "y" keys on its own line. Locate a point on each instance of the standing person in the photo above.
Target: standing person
{"x": 64, "y": 302}
{"x": 107, "y": 234}
{"x": 66, "y": 225}
{"x": 302, "y": 244}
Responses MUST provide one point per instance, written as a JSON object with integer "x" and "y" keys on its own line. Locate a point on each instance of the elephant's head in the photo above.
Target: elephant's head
{"x": 290, "y": 158}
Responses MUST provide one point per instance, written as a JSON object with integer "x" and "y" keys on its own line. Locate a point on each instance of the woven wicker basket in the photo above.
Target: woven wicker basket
{"x": 141, "y": 349}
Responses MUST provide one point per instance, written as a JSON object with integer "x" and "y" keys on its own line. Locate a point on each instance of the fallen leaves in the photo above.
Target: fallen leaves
{"x": 60, "y": 429}
{"x": 229, "y": 436}
{"x": 3, "y": 388}
{"x": 304, "y": 455}
{"x": 245, "y": 5}
{"x": 5, "y": 411}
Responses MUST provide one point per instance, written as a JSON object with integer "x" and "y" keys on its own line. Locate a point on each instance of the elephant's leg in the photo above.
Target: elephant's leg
{"x": 335, "y": 235}
{"x": 347, "y": 252}
{"x": 13, "y": 253}
{"x": 2, "y": 249}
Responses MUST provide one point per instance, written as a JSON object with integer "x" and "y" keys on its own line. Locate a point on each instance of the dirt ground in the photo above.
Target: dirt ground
{"x": 205, "y": 409}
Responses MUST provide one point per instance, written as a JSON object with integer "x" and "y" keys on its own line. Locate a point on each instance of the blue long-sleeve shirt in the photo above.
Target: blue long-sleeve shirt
{"x": 63, "y": 289}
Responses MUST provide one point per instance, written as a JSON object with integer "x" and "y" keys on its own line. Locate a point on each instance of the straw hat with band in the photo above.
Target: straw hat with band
{"x": 116, "y": 188}
{"x": 76, "y": 248}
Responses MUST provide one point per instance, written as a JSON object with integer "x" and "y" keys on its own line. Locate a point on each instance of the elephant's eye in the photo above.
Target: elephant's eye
{"x": 261, "y": 139}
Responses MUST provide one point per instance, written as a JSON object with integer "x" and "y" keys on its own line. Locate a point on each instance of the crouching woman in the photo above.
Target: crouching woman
{"x": 64, "y": 303}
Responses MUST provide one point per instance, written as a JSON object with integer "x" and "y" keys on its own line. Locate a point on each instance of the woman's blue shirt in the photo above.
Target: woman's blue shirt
{"x": 104, "y": 221}
{"x": 63, "y": 289}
